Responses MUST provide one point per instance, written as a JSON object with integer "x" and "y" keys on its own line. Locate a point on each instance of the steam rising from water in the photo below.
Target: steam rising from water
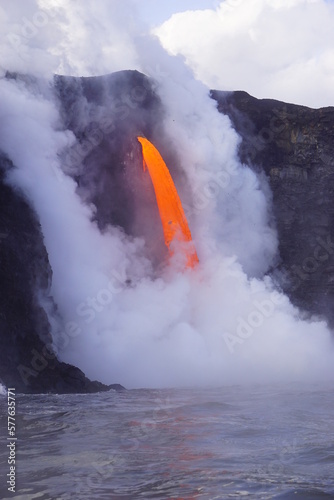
{"x": 221, "y": 323}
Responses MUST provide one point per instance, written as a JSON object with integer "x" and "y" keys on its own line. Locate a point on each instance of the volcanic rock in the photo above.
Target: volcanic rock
{"x": 294, "y": 146}
{"x": 27, "y": 360}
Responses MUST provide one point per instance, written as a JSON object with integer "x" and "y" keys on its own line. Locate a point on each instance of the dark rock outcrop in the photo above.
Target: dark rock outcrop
{"x": 27, "y": 360}
{"x": 294, "y": 146}
{"x": 106, "y": 114}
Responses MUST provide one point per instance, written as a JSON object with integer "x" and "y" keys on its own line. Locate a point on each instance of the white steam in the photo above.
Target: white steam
{"x": 221, "y": 323}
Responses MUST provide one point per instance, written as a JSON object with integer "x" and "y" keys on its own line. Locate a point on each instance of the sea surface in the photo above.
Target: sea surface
{"x": 255, "y": 442}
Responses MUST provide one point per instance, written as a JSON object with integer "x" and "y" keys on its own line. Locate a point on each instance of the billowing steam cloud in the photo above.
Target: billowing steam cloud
{"x": 221, "y": 323}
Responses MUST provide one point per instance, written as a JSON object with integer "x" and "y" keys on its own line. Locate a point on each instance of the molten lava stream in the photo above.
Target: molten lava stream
{"x": 174, "y": 222}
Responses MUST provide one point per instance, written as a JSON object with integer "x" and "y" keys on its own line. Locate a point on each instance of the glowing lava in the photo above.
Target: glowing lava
{"x": 174, "y": 222}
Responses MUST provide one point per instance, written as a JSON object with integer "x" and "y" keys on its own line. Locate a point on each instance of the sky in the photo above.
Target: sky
{"x": 156, "y": 12}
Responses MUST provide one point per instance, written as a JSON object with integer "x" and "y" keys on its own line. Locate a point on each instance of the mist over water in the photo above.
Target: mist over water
{"x": 221, "y": 323}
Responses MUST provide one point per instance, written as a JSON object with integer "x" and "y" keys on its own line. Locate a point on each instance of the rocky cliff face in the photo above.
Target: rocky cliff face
{"x": 293, "y": 145}
{"x": 27, "y": 359}
{"x": 106, "y": 114}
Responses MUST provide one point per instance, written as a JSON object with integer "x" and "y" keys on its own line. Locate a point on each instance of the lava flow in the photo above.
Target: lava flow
{"x": 174, "y": 222}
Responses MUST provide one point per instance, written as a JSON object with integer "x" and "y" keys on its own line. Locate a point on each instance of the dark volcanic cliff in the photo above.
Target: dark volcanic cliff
{"x": 27, "y": 359}
{"x": 105, "y": 114}
{"x": 294, "y": 146}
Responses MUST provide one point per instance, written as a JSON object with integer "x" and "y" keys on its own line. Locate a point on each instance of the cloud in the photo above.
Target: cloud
{"x": 280, "y": 49}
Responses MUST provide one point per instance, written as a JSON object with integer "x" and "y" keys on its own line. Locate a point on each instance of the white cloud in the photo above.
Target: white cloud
{"x": 281, "y": 49}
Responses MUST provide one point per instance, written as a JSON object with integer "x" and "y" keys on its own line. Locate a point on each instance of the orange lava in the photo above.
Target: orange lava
{"x": 174, "y": 222}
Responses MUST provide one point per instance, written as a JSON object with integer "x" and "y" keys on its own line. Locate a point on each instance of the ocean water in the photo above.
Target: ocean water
{"x": 255, "y": 442}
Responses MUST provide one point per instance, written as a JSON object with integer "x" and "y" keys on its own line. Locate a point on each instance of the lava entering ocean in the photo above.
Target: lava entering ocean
{"x": 174, "y": 221}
